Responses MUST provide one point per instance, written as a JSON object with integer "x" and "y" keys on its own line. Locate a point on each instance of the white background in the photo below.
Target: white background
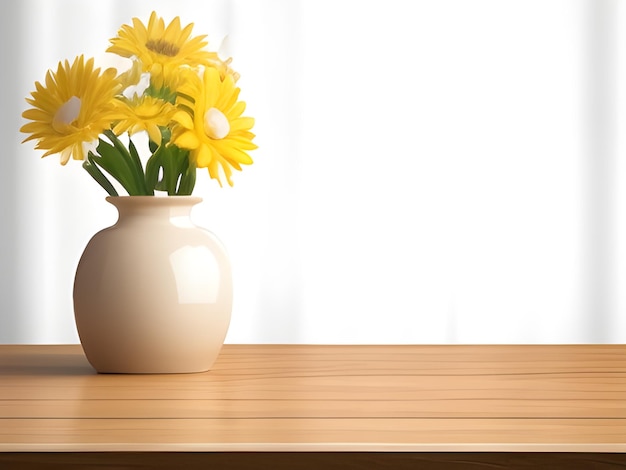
{"x": 432, "y": 171}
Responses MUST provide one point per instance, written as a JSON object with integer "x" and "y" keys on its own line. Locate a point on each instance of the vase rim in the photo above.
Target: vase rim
{"x": 156, "y": 200}
{"x": 165, "y": 196}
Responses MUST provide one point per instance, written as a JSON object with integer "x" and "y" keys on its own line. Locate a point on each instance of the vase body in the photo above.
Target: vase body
{"x": 153, "y": 293}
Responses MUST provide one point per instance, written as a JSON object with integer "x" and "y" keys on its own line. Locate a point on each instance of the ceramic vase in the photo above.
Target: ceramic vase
{"x": 153, "y": 292}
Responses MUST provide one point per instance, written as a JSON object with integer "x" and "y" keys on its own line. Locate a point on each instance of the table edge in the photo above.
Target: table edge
{"x": 317, "y": 447}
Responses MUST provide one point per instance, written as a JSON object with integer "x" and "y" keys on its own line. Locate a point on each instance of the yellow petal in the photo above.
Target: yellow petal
{"x": 184, "y": 119}
{"x": 204, "y": 157}
{"x": 187, "y": 140}
{"x": 155, "y": 134}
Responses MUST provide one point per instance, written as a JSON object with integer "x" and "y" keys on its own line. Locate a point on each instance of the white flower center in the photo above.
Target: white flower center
{"x": 66, "y": 114}
{"x": 216, "y": 125}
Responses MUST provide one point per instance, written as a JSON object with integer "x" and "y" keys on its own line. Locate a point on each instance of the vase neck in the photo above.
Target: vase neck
{"x": 173, "y": 208}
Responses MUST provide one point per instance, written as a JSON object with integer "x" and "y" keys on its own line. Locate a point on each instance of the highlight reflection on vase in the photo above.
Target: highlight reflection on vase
{"x": 196, "y": 273}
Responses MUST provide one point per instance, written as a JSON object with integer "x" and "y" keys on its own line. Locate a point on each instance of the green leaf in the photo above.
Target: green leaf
{"x": 153, "y": 166}
{"x": 178, "y": 176}
{"x": 95, "y": 172}
{"x": 141, "y": 180}
{"x": 134, "y": 165}
{"x": 170, "y": 170}
{"x": 113, "y": 163}
{"x": 187, "y": 178}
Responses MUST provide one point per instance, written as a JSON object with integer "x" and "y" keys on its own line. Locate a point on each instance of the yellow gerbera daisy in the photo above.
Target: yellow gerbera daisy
{"x": 214, "y": 130}
{"x": 73, "y": 108}
{"x": 161, "y": 50}
{"x": 144, "y": 113}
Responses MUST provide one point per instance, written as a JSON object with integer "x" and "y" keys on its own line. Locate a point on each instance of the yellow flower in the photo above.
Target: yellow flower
{"x": 144, "y": 113}
{"x": 159, "y": 49}
{"x": 214, "y": 130}
{"x": 73, "y": 108}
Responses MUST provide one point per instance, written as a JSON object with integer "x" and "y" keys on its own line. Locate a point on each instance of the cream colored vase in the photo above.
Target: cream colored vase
{"x": 153, "y": 293}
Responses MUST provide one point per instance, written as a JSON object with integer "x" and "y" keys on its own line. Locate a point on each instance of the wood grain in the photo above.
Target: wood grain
{"x": 325, "y": 399}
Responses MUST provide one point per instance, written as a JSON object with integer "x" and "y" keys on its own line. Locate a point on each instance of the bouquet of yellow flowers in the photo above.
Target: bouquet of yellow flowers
{"x": 184, "y": 96}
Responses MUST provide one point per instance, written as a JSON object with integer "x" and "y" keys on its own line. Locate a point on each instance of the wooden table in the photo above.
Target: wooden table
{"x": 300, "y": 406}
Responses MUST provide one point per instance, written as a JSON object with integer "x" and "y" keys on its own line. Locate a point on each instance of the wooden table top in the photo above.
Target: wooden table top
{"x": 310, "y": 398}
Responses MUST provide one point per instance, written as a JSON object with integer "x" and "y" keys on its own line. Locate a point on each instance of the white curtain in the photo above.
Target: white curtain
{"x": 428, "y": 171}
